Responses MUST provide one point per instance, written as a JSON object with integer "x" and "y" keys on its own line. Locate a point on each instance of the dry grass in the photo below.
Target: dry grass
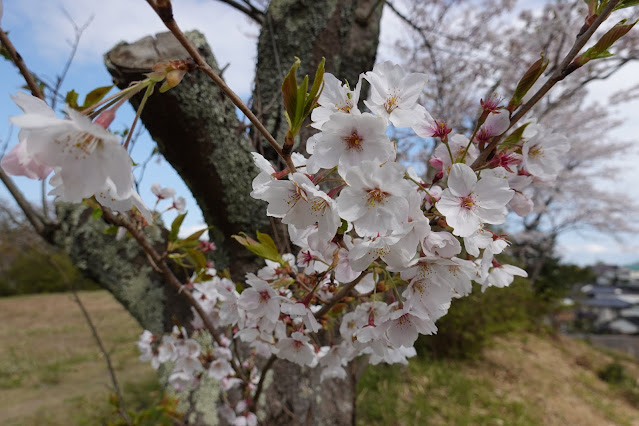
{"x": 51, "y": 371}
{"x": 522, "y": 379}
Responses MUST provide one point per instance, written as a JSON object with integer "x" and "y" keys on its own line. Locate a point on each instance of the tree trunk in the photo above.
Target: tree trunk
{"x": 198, "y": 132}
{"x": 346, "y": 33}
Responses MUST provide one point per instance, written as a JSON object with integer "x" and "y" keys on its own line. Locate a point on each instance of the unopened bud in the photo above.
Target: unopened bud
{"x": 105, "y": 118}
{"x": 437, "y": 163}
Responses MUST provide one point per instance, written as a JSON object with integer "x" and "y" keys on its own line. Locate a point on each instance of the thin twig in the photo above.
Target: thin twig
{"x": 260, "y": 384}
{"x": 79, "y": 30}
{"x": 560, "y": 73}
{"x": 34, "y": 218}
{"x": 98, "y": 340}
{"x": 164, "y": 11}
{"x": 19, "y": 62}
{"x": 340, "y": 295}
{"x": 37, "y": 221}
{"x": 158, "y": 260}
{"x": 249, "y": 10}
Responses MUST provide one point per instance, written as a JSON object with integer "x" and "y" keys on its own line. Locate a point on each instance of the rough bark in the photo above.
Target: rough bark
{"x": 120, "y": 266}
{"x": 346, "y": 33}
{"x": 197, "y": 130}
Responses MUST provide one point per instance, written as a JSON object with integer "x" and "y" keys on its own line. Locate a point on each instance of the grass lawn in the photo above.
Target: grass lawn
{"x": 51, "y": 371}
{"x": 522, "y": 379}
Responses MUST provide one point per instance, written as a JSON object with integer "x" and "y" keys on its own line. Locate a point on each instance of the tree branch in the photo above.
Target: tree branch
{"x": 248, "y": 9}
{"x": 260, "y": 384}
{"x": 33, "y": 217}
{"x": 158, "y": 260}
{"x": 340, "y": 295}
{"x": 165, "y": 12}
{"x": 17, "y": 60}
{"x": 560, "y": 73}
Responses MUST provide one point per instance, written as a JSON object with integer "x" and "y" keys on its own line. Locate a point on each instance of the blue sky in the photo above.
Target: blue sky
{"x": 41, "y": 33}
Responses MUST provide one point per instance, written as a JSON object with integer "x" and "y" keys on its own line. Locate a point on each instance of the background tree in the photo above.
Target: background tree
{"x": 473, "y": 50}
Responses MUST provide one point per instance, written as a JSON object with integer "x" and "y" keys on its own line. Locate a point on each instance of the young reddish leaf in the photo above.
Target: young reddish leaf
{"x": 289, "y": 89}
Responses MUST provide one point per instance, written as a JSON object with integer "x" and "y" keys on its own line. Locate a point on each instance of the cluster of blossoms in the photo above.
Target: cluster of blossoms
{"x": 85, "y": 158}
{"x": 392, "y": 249}
{"x": 368, "y": 228}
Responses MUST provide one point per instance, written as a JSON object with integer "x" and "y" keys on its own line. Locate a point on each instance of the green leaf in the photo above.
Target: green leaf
{"x": 298, "y": 104}
{"x": 197, "y": 234}
{"x": 343, "y": 227}
{"x": 627, "y": 3}
{"x": 95, "y": 96}
{"x": 301, "y": 101}
{"x": 514, "y": 138}
{"x": 265, "y": 248}
{"x": 289, "y": 89}
{"x": 527, "y": 81}
{"x": 97, "y": 213}
{"x": 197, "y": 258}
{"x": 72, "y": 99}
{"x": 111, "y": 230}
{"x": 318, "y": 81}
{"x": 600, "y": 49}
{"x": 175, "y": 227}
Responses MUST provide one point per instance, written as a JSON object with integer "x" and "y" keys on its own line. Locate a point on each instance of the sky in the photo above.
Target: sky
{"x": 41, "y": 32}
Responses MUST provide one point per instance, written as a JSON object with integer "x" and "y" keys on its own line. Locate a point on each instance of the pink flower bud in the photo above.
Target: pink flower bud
{"x": 106, "y": 118}
{"x": 436, "y": 163}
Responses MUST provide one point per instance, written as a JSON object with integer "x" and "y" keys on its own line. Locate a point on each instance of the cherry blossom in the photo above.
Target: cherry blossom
{"x": 375, "y": 199}
{"x": 394, "y": 94}
{"x": 335, "y": 98}
{"x": 467, "y": 202}
{"x": 347, "y": 140}
{"x": 83, "y": 153}
{"x": 543, "y": 153}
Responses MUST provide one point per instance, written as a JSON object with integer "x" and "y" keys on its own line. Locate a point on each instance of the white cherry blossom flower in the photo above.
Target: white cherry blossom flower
{"x": 260, "y": 300}
{"x": 442, "y": 244}
{"x": 161, "y": 192}
{"x": 300, "y": 310}
{"x": 543, "y": 154}
{"x": 394, "y": 94}
{"x": 467, "y": 202}
{"x": 366, "y": 251}
{"x": 496, "y": 123}
{"x": 346, "y": 140}
{"x": 85, "y": 153}
{"x": 268, "y": 172}
{"x": 296, "y": 349}
{"x": 299, "y": 202}
{"x": 405, "y": 324}
{"x": 335, "y": 98}
{"x": 502, "y": 276}
{"x": 17, "y": 161}
{"x": 107, "y": 198}
{"x": 375, "y": 200}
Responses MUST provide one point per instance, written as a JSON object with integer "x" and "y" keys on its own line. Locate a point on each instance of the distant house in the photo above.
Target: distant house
{"x": 629, "y": 274}
{"x": 623, "y": 326}
{"x": 611, "y": 305}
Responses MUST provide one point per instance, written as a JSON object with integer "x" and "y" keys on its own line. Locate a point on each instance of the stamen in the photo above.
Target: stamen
{"x": 354, "y": 141}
